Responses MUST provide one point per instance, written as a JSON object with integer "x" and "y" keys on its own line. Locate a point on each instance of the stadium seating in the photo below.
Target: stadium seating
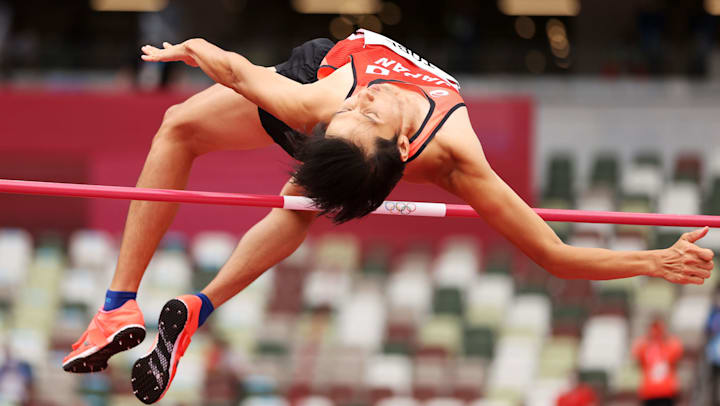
{"x": 344, "y": 323}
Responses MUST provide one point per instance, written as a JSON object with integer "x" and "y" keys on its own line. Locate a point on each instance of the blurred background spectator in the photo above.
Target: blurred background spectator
{"x": 712, "y": 351}
{"x": 579, "y": 394}
{"x": 658, "y": 354}
{"x": 16, "y": 379}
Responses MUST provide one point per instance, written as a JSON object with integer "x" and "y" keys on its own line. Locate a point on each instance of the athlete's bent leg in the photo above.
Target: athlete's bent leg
{"x": 264, "y": 245}
{"x": 214, "y": 119}
{"x": 270, "y": 241}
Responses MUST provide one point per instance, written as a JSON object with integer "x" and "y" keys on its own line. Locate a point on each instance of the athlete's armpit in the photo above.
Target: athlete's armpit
{"x": 299, "y": 106}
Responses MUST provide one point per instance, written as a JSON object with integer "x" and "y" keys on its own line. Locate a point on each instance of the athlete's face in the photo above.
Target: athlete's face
{"x": 375, "y": 111}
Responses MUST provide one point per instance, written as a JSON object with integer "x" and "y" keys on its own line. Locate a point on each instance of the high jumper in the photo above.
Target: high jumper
{"x": 358, "y": 116}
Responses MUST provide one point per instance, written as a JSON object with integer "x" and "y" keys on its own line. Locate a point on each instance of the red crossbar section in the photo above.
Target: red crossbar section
{"x": 611, "y": 217}
{"x": 132, "y": 193}
{"x": 240, "y": 199}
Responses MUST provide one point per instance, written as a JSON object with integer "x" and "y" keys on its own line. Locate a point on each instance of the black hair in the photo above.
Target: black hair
{"x": 343, "y": 180}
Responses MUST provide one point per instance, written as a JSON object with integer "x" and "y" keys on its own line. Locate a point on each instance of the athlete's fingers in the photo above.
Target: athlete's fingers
{"x": 707, "y": 265}
{"x": 150, "y": 50}
{"x": 150, "y": 55}
{"x": 167, "y": 45}
{"x": 695, "y": 235}
{"x": 694, "y": 280}
{"x": 700, "y": 273}
{"x": 695, "y": 260}
{"x": 704, "y": 253}
{"x": 169, "y": 54}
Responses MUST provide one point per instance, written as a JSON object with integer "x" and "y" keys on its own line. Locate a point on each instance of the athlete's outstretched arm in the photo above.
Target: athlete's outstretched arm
{"x": 475, "y": 182}
{"x": 300, "y": 106}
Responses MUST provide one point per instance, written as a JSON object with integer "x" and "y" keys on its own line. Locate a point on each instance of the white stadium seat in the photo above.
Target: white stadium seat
{"x": 211, "y": 249}
{"x": 91, "y": 249}
{"x": 398, "y": 401}
{"x": 16, "y": 251}
{"x": 488, "y": 299}
{"x": 458, "y": 263}
{"x": 604, "y": 344}
{"x": 529, "y": 313}
{"x": 362, "y": 318}
{"x": 392, "y": 372}
{"x": 644, "y": 180}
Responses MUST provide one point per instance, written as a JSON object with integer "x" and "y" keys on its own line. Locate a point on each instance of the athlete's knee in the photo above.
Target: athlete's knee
{"x": 174, "y": 115}
{"x": 177, "y": 129}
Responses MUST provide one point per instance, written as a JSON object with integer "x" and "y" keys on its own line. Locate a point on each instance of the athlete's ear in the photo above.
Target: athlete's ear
{"x": 403, "y": 144}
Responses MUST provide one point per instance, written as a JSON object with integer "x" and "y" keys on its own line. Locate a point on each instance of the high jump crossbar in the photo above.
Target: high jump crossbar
{"x": 420, "y": 209}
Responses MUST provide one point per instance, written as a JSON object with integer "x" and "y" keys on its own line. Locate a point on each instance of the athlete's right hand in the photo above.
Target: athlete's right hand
{"x": 685, "y": 262}
{"x": 169, "y": 53}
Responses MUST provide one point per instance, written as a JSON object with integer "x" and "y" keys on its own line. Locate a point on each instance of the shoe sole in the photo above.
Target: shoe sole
{"x": 98, "y": 360}
{"x": 151, "y": 374}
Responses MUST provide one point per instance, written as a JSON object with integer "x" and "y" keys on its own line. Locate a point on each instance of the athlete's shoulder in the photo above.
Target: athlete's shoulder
{"x": 459, "y": 139}
{"x": 327, "y": 94}
{"x": 457, "y": 124}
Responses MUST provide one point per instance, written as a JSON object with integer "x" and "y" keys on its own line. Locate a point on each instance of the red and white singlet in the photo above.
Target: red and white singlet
{"x": 377, "y": 59}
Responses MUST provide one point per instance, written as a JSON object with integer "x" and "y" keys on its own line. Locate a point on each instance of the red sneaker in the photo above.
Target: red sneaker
{"x": 153, "y": 373}
{"x": 108, "y": 333}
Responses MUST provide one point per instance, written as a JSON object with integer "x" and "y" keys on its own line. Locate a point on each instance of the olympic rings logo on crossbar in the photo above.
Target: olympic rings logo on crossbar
{"x": 400, "y": 207}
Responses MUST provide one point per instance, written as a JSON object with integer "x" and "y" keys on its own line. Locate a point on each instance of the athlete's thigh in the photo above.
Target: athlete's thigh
{"x": 221, "y": 119}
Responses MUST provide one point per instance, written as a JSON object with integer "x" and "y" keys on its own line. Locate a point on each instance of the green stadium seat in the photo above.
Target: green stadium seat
{"x": 479, "y": 342}
{"x": 648, "y": 158}
{"x": 596, "y": 378}
{"x": 398, "y": 347}
{"x": 712, "y": 204}
{"x": 271, "y": 348}
{"x": 560, "y": 178}
{"x": 532, "y": 288}
{"x": 605, "y": 171}
{"x": 448, "y": 300}
{"x": 570, "y": 310}
{"x": 665, "y": 239}
{"x": 377, "y": 260}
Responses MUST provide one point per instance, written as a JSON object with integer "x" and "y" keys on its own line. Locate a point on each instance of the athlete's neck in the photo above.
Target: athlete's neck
{"x": 414, "y": 109}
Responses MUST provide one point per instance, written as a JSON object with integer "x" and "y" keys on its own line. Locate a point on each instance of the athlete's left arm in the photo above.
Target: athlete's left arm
{"x": 300, "y": 106}
{"x": 473, "y": 180}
